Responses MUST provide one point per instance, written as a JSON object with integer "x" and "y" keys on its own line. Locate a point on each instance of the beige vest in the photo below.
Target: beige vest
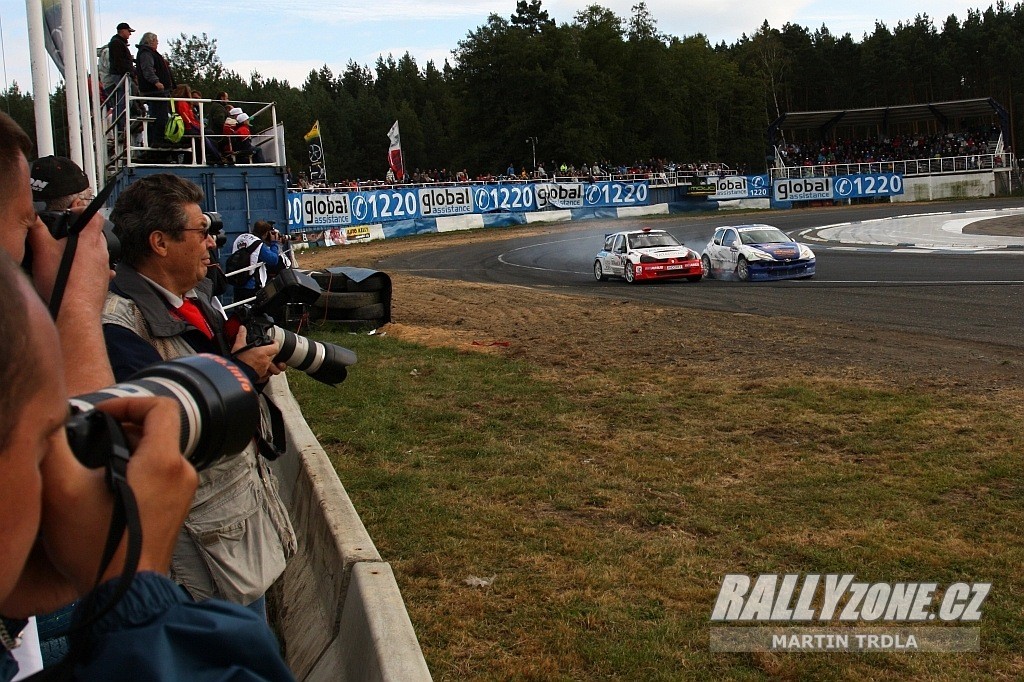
{"x": 237, "y": 536}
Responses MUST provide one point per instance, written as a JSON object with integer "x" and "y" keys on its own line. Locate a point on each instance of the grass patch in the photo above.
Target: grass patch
{"x": 609, "y": 508}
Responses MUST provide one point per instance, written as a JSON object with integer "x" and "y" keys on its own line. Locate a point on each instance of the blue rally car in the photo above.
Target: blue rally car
{"x": 756, "y": 253}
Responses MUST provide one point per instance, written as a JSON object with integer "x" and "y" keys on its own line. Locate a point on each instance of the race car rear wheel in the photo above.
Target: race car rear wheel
{"x": 629, "y": 274}
{"x": 742, "y": 269}
{"x": 705, "y": 266}
{"x": 599, "y": 272}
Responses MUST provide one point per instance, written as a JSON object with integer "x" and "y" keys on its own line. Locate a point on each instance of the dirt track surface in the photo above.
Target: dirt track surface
{"x": 1009, "y": 226}
{"x": 583, "y": 334}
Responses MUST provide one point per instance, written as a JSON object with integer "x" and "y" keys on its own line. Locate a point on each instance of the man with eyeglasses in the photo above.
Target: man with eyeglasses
{"x": 237, "y": 536}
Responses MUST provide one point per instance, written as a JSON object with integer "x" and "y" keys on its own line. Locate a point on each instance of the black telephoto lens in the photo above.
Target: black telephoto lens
{"x": 219, "y": 408}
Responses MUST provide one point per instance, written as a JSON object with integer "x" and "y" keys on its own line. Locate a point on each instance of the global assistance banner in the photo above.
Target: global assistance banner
{"x": 741, "y": 187}
{"x": 861, "y": 186}
{"x": 319, "y": 210}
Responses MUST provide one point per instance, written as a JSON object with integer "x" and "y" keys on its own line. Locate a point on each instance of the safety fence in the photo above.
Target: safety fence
{"x": 337, "y": 606}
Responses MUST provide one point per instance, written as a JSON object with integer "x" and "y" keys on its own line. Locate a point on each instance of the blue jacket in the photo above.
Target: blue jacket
{"x": 156, "y": 632}
{"x": 271, "y": 255}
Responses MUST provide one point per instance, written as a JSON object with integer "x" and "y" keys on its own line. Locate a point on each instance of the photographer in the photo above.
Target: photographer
{"x": 237, "y": 536}
{"x": 47, "y": 494}
{"x": 270, "y": 252}
{"x": 81, "y": 337}
{"x": 59, "y": 183}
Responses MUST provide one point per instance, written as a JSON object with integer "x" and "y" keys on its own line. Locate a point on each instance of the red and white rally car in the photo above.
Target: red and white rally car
{"x": 637, "y": 255}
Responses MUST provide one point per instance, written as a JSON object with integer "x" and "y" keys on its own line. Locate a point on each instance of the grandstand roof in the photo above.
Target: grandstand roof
{"x": 942, "y": 112}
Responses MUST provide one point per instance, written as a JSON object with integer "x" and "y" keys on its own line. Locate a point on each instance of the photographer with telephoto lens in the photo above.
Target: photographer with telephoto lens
{"x": 237, "y": 536}
{"x": 81, "y": 338}
{"x": 269, "y": 255}
{"x": 55, "y": 514}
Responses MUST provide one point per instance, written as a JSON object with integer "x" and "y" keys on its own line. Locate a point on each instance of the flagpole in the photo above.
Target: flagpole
{"x": 40, "y": 87}
{"x": 84, "y": 101}
{"x": 67, "y": 53}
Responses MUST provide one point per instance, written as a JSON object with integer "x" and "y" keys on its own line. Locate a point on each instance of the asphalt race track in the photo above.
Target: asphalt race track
{"x": 970, "y": 290}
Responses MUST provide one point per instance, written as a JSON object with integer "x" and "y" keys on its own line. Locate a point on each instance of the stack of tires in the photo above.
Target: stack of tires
{"x": 353, "y": 298}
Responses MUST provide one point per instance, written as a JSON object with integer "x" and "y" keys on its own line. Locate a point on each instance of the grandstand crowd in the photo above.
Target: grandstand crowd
{"x": 895, "y": 148}
{"x": 589, "y": 172}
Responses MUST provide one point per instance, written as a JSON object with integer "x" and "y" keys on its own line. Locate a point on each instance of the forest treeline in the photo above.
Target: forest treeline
{"x": 609, "y": 88}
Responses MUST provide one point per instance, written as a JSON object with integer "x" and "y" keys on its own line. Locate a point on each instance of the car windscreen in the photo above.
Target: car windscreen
{"x": 646, "y": 241}
{"x": 768, "y": 235}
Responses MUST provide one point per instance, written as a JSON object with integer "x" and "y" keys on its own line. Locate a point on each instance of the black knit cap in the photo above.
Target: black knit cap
{"x": 55, "y": 176}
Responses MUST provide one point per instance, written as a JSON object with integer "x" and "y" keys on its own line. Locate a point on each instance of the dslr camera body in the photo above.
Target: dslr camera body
{"x": 324, "y": 362}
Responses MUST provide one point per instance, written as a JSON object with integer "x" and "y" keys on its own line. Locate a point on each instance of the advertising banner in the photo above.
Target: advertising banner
{"x": 858, "y": 186}
{"x": 510, "y": 198}
{"x": 320, "y": 210}
{"x": 317, "y": 163}
{"x": 741, "y": 187}
{"x": 558, "y": 195}
{"x": 615, "y": 194}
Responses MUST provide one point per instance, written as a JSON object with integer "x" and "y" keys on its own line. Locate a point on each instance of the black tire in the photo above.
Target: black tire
{"x": 345, "y": 300}
{"x": 375, "y": 283}
{"x": 339, "y": 282}
{"x": 349, "y": 325}
{"x": 628, "y": 274}
{"x": 599, "y": 272}
{"x": 705, "y": 266}
{"x": 742, "y": 269}
{"x": 367, "y": 312}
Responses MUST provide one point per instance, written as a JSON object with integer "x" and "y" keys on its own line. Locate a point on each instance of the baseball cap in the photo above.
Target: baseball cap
{"x": 124, "y": 25}
{"x": 56, "y": 176}
{"x": 234, "y": 111}
{"x": 242, "y": 117}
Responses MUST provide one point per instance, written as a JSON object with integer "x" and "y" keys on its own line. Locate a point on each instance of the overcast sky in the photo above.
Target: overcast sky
{"x": 287, "y": 43}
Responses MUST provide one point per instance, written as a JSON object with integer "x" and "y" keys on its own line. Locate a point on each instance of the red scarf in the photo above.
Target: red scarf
{"x": 190, "y": 312}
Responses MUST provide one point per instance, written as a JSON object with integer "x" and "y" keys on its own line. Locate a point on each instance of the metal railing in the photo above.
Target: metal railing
{"x": 133, "y": 140}
{"x": 910, "y": 167}
{"x": 656, "y": 179}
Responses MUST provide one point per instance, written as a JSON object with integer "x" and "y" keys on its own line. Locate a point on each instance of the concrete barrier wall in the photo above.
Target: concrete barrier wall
{"x": 337, "y": 606}
{"x": 963, "y": 186}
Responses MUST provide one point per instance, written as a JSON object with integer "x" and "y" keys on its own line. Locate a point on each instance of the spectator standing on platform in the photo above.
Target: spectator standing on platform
{"x": 121, "y": 64}
{"x": 155, "y": 80}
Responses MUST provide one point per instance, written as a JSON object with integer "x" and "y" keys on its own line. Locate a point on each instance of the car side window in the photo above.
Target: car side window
{"x": 718, "y": 237}
{"x": 608, "y": 242}
{"x": 620, "y": 244}
{"x": 729, "y": 239}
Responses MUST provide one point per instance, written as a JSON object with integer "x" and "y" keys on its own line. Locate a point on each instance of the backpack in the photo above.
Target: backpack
{"x": 241, "y": 259}
{"x": 175, "y": 128}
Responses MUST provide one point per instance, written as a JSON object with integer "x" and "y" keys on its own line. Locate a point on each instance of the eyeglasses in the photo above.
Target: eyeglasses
{"x": 204, "y": 230}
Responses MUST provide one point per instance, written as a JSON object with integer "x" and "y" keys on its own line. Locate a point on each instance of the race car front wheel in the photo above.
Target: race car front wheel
{"x": 742, "y": 269}
{"x": 630, "y": 275}
{"x": 599, "y": 272}
{"x": 705, "y": 266}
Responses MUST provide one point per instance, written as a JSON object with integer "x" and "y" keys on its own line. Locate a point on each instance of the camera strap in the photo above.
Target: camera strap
{"x": 68, "y": 258}
{"x": 63, "y": 272}
{"x": 125, "y": 516}
{"x": 277, "y": 445}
